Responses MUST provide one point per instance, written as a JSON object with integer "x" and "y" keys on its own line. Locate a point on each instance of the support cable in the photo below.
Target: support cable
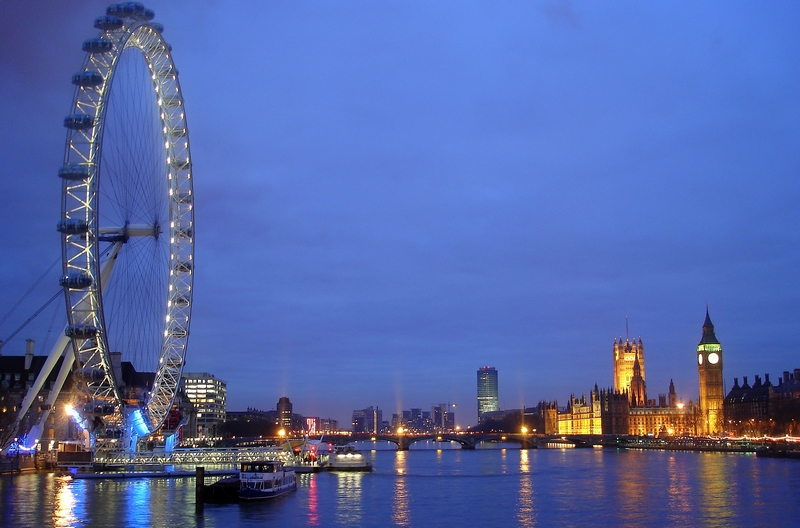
{"x": 11, "y": 311}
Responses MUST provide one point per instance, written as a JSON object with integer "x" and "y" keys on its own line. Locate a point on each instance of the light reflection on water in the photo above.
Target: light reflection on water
{"x": 526, "y": 512}
{"x": 348, "y": 494}
{"x": 313, "y": 507}
{"x": 503, "y": 487}
{"x": 66, "y": 508}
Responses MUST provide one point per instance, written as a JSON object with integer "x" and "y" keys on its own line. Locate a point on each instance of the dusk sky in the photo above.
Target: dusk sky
{"x": 390, "y": 195}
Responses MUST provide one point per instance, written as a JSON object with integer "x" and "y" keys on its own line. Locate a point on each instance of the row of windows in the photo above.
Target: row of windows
{"x": 17, "y": 376}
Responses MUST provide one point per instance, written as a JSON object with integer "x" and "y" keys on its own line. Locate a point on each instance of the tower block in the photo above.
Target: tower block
{"x": 709, "y": 367}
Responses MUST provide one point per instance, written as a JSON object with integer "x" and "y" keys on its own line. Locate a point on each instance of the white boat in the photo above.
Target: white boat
{"x": 348, "y": 458}
{"x": 265, "y": 480}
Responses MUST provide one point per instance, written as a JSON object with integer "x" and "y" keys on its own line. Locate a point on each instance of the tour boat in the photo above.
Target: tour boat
{"x": 265, "y": 480}
{"x": 348, "y": 458}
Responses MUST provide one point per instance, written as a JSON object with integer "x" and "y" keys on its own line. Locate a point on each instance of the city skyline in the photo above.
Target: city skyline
{"x": 389, "y": 196}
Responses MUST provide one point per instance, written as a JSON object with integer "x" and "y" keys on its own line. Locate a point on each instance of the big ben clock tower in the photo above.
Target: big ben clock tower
{"x": 709, "y": 367}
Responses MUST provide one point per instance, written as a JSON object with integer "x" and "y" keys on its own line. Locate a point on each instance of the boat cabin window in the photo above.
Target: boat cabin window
{"x": 258, "y": 468}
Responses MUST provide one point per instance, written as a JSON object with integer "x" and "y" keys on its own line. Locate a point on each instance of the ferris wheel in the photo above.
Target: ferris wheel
{"x": 127, "y": 225}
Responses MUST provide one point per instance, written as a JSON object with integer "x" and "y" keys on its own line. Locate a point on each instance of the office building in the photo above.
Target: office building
{"x": 208, "y": 395}
{"x": 488, "y": 399}
{"x": 284, "y": 409}
{"x": 369, "y": 420}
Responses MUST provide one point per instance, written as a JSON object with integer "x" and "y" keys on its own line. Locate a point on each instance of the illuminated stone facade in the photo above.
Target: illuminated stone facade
{"x": 655, "y": 420}
{"x": 611, "y": 412}
{"x": 711, "y": 420}
{"x": 582, "y": 416}
{"x": 626, "y": 355}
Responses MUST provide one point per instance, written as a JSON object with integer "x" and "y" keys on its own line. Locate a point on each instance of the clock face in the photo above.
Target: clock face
{"x": 713, "y": 358}
{"x": 699, "y": 359}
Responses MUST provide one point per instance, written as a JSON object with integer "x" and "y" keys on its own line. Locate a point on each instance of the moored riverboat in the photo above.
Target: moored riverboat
{"x": 265, "y": 480}
{"x": 779, "y": 450}
{"x": 224, "y": 490}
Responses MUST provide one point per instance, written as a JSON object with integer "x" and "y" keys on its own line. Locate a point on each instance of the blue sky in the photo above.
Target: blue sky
{"x": 393, "y": 194}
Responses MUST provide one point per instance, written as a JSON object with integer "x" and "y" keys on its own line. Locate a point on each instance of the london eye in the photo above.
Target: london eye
{"x": 127, "y": 225}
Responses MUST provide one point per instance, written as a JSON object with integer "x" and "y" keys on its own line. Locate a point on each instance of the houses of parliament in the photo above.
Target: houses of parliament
{"x": 626, "y": 408}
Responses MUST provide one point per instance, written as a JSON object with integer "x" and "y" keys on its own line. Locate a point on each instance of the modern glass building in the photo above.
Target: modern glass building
{"x": 209, "y": 396}
{"x": 487, "y": 391}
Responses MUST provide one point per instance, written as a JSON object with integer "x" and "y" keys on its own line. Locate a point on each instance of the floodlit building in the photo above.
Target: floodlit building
{"x": 712, "y": 394}
{"x": 627, "y": 354}
{"x": 209, "y": 396}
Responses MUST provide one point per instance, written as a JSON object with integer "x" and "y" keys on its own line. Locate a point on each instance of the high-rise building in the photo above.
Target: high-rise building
{"x": 487, "y": 391}
{"x": 712, "y": 393}
{"x": 626, "y": 353}
{"x": 209, "y": 396}
{"x": 443, "y": 419}
{"x": 367, "y": 420}
{"x": 284, "y": 408}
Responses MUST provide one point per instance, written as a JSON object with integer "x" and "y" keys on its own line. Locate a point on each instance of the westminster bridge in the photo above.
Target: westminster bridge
{"x": 470, "y": 440}
{"x": 269, "y": 448}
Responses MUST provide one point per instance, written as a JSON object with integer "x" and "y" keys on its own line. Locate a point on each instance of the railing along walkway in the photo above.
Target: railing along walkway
{"x": 192, "y": 456}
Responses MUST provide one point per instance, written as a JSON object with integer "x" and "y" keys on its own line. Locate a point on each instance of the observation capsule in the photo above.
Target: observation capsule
{"x": 108, "y": 23}
{"x": 184, "y": 266}
{"x": 165, "y": 71}
{"x": 76, "y": 281}
{"x": 178, "y": 332}
{"x": 180, "y": 163}
{"x": 81, "y": 331}
{"x": 97, "y": 45}
{"x": 184, "y": 232}
{"x": 180, "y": 300}
{"x": 183, "y": 198}
{"x": 74, "y": 172}
{"x": 79, "y": 122}
{"x": 98, "y": 407}
{"x": 171, "y": 101}
{"x": 89, "y": 374}
{"x": 126, "y": 9}
{"x": 72, "y": 226}
{"x": 158, "y": 27}
{"x": 87, "y": 79}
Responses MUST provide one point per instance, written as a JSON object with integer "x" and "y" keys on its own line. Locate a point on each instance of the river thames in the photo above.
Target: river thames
{"x": 448, "y": 487}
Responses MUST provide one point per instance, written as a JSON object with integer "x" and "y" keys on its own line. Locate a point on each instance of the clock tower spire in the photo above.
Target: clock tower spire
{"x": 709, "y": 367}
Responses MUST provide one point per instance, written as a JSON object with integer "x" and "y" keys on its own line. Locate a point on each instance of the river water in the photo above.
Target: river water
{"x": 448, "y": 487}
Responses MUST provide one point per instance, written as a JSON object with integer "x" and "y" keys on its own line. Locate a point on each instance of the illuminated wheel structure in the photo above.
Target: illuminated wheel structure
{"x": 127, "y": 226}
